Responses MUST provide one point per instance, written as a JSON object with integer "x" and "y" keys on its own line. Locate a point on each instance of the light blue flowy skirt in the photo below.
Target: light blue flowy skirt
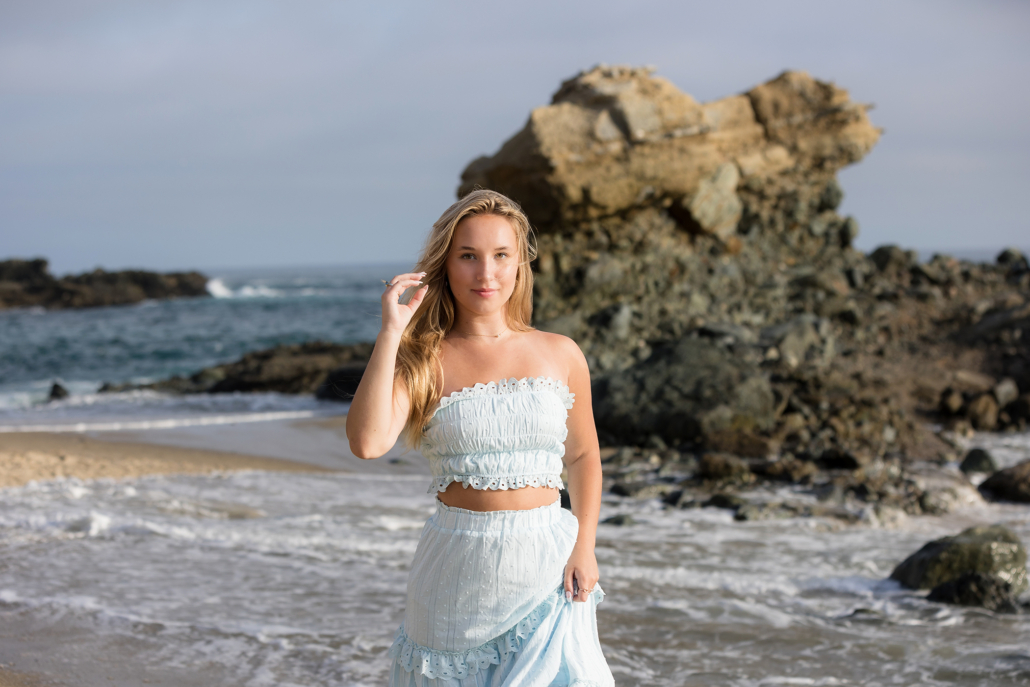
{"x": 486, "y": 605}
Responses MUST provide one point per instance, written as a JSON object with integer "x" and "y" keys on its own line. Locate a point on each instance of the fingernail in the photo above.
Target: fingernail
{"x": 568, "y": 597}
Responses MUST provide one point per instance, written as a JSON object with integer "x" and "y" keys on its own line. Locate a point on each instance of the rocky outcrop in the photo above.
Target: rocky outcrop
{"x": 993, "y": 550}
{"x": 28, "y": 283}
{"x": 661, "y": 219}
{"x": 654, "y": 213}
{"x": 976, "y": 589}
{"x": 1010, "y": 484}
{"x": 695, "y": 253}
{"x": 978, "y": 460}
{"x": 326, "y": 369}
{"x": 616, "y": 140}
{"x": 680, "y": 394}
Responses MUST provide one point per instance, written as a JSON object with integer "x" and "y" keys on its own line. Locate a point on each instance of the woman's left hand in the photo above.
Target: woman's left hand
{"x": 582, "y": 567}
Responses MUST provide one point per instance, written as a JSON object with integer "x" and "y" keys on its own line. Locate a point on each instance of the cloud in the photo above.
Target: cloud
{"x": 212, "y": 134}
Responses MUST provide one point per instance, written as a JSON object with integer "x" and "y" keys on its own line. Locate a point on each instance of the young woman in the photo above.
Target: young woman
{"x": 503, "y": 589}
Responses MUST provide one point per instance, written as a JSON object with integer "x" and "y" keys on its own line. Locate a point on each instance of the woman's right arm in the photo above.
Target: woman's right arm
{"x": 380, "y": 406}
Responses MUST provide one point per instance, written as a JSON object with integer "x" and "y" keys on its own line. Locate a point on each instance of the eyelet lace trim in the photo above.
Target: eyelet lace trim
{"x": 459, "y": 665}
{"x": 511, "y": 386}
{"x": 494, "y": 483}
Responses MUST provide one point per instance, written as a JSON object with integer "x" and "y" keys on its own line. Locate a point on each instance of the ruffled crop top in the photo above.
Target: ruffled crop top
{"x": 502, "y": 435}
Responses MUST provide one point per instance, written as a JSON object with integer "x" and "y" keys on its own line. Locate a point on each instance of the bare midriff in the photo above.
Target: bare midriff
{"x": 526, "y": 498}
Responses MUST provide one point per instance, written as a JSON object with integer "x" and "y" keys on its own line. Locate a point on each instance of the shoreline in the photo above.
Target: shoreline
{"x": 33, "y": 457}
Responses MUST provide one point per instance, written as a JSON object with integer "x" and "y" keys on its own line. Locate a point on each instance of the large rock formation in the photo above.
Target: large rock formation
{"x": 617, "y": 140}
{"x": 659, "y": 217}
{"x": 655, "y": 213}
{"x": 28, "y": 283}
{"x": 661, "y": 220}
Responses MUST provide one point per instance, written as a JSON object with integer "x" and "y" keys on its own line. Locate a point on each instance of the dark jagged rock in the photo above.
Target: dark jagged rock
{"x": 28, "y": 283}
{"x": 682, "y": 392}
{"x": 977, "y": 589}
{"x": 57, "y": 392}
{"x": 317, "y": 366}
{"x": 978, "y": 460}
{"x": 1013, "y": 259}
{"x": 696, "y": 255}
{"x": 993, "y": 550}
{"x": 1010, "y": 484}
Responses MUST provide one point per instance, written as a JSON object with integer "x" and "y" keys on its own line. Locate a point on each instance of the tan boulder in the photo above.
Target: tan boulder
{"x": 620, "y": 138}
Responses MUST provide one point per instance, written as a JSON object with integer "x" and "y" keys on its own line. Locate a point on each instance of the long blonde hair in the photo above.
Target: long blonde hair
{"x": 418, "y": 358}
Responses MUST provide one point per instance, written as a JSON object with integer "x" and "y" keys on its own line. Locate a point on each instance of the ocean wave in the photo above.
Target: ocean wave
{"x": 219, "y": 289}
{"x": 162, "y": 423}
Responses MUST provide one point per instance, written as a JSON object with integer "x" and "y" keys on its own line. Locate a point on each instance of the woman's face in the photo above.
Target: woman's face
{"x": 482, "y": 263}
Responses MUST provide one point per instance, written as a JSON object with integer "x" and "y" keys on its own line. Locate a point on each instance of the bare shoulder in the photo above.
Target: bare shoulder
{"x": 561, "y": 349}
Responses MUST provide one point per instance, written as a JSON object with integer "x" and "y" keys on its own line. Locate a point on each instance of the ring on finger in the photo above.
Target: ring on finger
{"x": 388, "y": 283}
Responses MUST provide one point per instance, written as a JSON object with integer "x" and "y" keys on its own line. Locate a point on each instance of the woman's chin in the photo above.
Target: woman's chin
{"x": 483, "y": 306}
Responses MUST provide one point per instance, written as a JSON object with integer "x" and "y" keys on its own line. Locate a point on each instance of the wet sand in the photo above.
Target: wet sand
{"x": 10, "y": 678}
{"x": 316, "y": 441}
{"x": 316, "y": 445}
{"x": 32, "y": 457}
{"x": 29, "y": 457}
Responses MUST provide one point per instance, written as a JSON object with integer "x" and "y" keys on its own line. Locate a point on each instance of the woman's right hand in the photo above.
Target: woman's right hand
{"x": 397, "y": 315}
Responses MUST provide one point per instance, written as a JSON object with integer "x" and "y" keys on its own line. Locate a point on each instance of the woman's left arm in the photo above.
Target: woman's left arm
{"x": 583, "y": 462}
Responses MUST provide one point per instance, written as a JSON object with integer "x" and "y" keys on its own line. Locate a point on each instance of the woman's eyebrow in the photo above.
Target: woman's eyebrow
{"x": 474, "y": 248}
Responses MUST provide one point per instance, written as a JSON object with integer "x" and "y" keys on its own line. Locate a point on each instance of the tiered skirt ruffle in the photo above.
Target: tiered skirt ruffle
{"x": 486, "y": 605}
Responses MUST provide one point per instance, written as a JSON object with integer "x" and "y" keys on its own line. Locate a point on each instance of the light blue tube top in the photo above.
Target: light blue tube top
{"x": 502, "y": 435}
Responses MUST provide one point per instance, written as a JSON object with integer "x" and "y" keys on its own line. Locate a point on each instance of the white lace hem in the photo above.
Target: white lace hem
{"x": 511, "y": 386}
{"x": 503, "y": 483}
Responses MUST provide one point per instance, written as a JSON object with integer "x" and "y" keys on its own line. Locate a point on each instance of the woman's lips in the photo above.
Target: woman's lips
{"x": 485, "y": 293}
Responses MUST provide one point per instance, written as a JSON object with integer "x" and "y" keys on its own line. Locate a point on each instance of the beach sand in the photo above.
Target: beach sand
{"x": 36, "y": 653}
{"x": 28, "y": 457}
{"x": 10, "y": 678}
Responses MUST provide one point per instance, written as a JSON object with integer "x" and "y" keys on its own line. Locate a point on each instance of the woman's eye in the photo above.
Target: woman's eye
{"x": 468, "y": 256}
{"x": 502, "y": 255}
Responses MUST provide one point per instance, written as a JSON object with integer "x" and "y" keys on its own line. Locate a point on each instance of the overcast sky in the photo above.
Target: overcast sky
{"x": 215, "y": 134}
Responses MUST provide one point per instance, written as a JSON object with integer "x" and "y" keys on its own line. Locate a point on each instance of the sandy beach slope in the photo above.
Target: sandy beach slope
{"x": 30, "y": 456}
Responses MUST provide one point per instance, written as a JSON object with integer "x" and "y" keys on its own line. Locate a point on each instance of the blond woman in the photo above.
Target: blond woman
{"x": 503, "y": 588}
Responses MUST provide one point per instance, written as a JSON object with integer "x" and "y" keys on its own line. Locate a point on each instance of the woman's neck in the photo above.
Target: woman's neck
{"x": 472, "y": 325}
